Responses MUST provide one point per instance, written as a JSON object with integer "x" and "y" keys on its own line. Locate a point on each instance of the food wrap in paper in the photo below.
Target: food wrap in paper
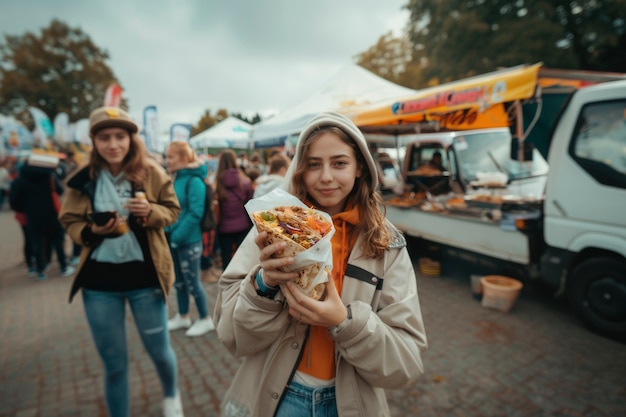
{"x": 312, "y": 263}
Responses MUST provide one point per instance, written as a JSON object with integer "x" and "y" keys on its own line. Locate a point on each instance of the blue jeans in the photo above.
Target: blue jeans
{"x": 301, "y": 401}
{"x": 106, "y": 313}
{"x": 187, "y": 268}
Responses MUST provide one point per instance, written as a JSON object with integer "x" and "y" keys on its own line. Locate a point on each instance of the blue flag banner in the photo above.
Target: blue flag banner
{"x": 180, "y": 131}
{"x": 62, "y": 133}
{"x": 80, "y": 132}
{"x": 43, "y": 127}
{"x": 151, "y": 128}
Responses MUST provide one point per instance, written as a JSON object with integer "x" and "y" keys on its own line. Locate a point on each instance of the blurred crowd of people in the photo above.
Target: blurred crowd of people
{"x": 34, "y": 186}
{"x": 31, "y": 179}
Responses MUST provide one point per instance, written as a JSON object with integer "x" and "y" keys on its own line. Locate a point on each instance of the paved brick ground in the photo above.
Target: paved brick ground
{"x": 535, "y": 361}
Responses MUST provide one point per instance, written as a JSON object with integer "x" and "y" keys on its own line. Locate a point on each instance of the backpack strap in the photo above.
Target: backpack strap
{"x": 363, "y": 275}
{"x": 187, "y": 186}
{"x": 187, "y": 189}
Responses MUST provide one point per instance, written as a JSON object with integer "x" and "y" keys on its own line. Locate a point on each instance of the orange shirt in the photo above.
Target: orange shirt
{"x": 318, "y": 359}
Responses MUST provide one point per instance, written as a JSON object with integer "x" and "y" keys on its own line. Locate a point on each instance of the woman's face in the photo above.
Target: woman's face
{"x": 174, "y": 160}
{"x": 112, "y": 144}
{"x": 332, "y": 170}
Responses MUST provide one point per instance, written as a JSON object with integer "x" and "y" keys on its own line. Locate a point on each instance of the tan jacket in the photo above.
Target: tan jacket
{"x": 158, "y": 187}
{"x": 260, "y": 331}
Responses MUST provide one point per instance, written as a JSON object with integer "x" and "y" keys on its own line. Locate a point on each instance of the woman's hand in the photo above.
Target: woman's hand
{"x": 139, "y": 207}
{"x": 272, "y": 276}
{"x": 109, "y": 228}
{"x": 325, "y": 313}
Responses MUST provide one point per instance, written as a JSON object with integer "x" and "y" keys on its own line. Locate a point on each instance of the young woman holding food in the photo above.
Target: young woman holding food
{"x": 337, "y": 355}
{"x": 125, "y": 258}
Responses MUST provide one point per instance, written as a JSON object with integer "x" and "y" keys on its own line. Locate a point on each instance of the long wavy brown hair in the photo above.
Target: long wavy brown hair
{"x": 227, "y": 159}
{"x": 372, "y": 225}
{"x": 135, "y": 164}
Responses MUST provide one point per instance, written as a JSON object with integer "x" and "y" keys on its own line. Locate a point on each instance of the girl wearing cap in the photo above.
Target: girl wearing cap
{"x": 127, "y": 259}
{"x": 336, "y": 356}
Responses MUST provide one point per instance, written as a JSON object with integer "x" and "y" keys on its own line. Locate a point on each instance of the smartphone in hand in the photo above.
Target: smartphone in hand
{"x": 101, "y": 218}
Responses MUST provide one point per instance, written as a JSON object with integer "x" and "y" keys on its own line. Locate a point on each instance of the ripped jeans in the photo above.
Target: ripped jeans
{"x": 187, "y": 268}
{"x": 106, "y": 313}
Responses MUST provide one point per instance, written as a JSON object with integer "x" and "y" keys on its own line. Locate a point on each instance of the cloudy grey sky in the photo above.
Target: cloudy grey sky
{"x": 187, "y": 56}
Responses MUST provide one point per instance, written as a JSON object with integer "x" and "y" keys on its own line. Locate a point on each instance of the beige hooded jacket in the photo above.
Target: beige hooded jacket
{"x": 380, "y": 348}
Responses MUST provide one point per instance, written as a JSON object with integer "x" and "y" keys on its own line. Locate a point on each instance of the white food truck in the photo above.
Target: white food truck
{"x": 550, "y": 206}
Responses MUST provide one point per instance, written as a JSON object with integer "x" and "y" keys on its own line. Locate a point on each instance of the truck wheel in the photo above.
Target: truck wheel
{"x": 597, "y": 291}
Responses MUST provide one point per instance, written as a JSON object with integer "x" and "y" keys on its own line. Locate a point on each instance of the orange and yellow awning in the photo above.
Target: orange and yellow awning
{"x": 472, "y": 103}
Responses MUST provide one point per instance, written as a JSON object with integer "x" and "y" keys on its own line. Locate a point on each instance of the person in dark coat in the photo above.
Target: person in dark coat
{"x": 32, "y": 193}
{"x": 233, "y": 189}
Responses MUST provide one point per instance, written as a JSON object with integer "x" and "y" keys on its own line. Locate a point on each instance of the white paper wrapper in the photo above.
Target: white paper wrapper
{"x": 321, "y": 253}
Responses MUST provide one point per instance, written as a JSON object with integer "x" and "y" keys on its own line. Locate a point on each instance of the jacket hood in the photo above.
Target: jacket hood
{"x": 343, "y": 123}
{"x": 266, "y": 183}
{"x": 193, "y": 170}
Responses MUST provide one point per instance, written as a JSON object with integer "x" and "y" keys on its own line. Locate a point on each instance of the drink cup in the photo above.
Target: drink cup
{"x": 122, "y": 228}
{"x": 141, "y": 195}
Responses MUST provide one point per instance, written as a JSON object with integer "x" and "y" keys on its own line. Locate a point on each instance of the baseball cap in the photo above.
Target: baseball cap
{"x": 104, "y": 117}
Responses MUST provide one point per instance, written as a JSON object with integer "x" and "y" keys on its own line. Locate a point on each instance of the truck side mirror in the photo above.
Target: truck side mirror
{"x": 527, "y": 149}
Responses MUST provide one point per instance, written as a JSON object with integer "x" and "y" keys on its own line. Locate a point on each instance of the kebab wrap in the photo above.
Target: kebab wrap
{"x": 307, "y": 233}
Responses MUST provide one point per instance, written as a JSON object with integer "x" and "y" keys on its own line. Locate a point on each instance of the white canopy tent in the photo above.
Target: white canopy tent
{"x": 229, "y": 133}
{"x": 352, "y": 86}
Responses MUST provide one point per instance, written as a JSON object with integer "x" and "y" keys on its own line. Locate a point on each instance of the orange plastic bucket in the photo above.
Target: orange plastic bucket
{"x": 500, "y": 292}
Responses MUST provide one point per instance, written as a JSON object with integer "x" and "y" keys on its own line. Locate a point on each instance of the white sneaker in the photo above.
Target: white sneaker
{"x": 178, "y": 322}
{"x": 172, "y": 407}
{"x": 200, "y": 327}
{"x": 69, "y": 270}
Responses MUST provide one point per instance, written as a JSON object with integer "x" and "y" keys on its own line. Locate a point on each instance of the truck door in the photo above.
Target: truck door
{"x": 586, "y": 189}
{"x": 584, "y": 209}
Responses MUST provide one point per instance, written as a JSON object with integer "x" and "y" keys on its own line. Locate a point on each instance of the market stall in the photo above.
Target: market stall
{"x": 230, "y": 133}
{"x": 489, "y": 195}
{"x": 351, "y": 86}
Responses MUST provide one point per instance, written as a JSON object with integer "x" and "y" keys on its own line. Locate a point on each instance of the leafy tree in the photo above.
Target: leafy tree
{"x": 389, "y": 58}
{"x": 454, "y": 39}
{"x": 221, "y": 115}
{"x": 207, "y": 121}
{"x": 251, "y": 120}
{"x": 61, "y": 70}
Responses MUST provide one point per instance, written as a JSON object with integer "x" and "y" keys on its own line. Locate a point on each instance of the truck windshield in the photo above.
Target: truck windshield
{"x": 489, "y": 152}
